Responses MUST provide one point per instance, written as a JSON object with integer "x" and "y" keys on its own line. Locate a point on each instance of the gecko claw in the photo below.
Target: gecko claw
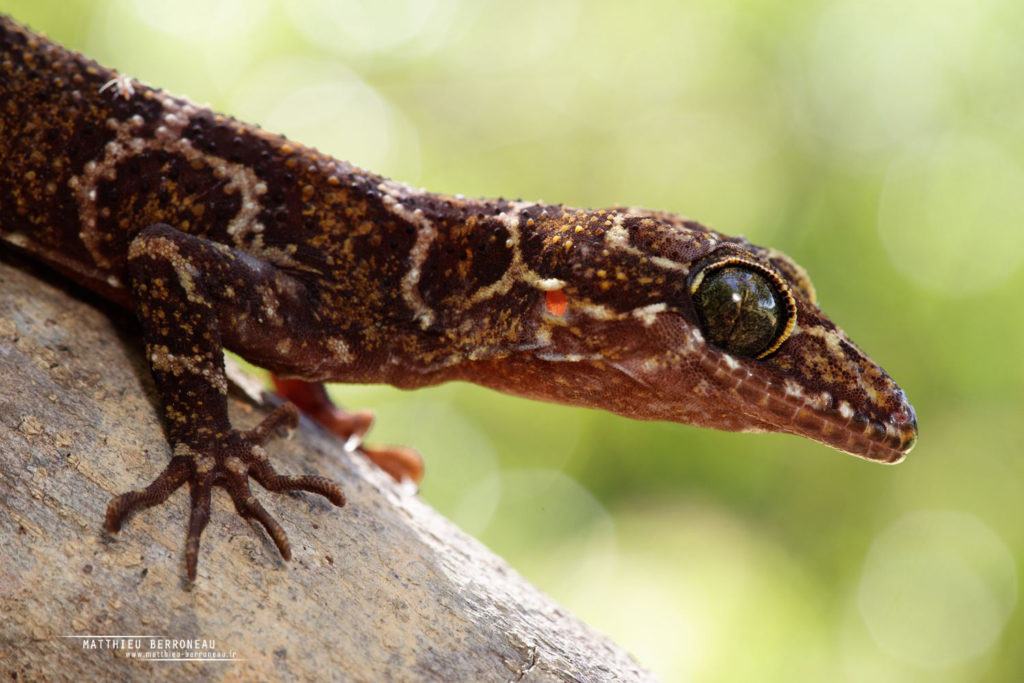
{"x": 229, "y": 462}
{"x": 173, "y": 476}
{"x": 352, "y": 443}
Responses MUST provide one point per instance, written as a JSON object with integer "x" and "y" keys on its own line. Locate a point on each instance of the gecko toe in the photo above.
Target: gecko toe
{"x": 228, "y": 462}
{"x": 285, "y": 416}
{"x": 198, "y": 519}
{"x": 174, "y": 475}
{"x": 268, "y": 478}
{"x": 248, "y": 507}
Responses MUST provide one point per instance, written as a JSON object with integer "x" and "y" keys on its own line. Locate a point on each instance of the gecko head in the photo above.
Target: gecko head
{"x": 779, "y": 359}
{"x": 711, "y": 330}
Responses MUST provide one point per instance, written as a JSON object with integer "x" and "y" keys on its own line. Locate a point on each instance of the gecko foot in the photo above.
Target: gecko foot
{"x": 403, "y": 464}
{"x": 228, "y": 462}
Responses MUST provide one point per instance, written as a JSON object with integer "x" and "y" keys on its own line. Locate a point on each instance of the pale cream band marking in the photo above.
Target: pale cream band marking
{"x": 18, "y": 240}
{"x": 832, "y": 338}
{"x": 596, "y": 311}
{"x": 846, "y": 410}
{"x": 339, "y": 349}
{"x": 551, "y": 284}
{"x": 167, "y": 250}
{"x": 394, "y": 193}
{"x": 169, "y": 137}
{"x": 822, "y": 402}
{"x": 543, "y": 336}
{"x": 793, "y": 389}
{"x": 426, "y": 233}
{"x": 517, "y": 270}
{"x": 649, "y": 314}
{"x": 162, "y": 360}
{"x": 617, "y": 237}
{"x": 270, "y": 307}
{"x": 554, "y": 356}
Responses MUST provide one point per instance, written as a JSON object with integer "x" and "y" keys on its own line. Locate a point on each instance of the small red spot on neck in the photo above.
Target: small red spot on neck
{"x": 556, "y": 302}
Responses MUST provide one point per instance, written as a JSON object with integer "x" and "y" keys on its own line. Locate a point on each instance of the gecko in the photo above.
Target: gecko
{"x": 219, "y": 235}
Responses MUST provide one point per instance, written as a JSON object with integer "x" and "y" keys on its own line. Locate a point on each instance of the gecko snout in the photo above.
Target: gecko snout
{"x": 904, "y": 419}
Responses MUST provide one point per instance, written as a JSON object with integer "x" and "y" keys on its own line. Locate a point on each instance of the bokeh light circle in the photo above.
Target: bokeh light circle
{"x": 937, "y": 588}
{"x": 952, "y": 216}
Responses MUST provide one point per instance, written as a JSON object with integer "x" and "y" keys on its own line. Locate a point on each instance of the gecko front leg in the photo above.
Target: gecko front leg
{"x": 190, "y": 296}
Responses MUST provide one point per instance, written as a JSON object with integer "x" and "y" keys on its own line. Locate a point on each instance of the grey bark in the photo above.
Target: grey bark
{"x": 382, "y": 589}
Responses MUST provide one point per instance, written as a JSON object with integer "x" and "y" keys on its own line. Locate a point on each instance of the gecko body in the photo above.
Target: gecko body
{"x": 220, "y": 235}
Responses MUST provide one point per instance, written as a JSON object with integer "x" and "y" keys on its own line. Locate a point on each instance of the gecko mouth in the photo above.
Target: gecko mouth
{"x": 886, "y": 441}
{"x": 886, "y": 437}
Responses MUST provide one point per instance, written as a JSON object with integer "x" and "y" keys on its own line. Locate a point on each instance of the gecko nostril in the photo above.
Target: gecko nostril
{"x": 905, "y": 419}
{"x": 900, "y": 417}
{"x": 904, "y": 416}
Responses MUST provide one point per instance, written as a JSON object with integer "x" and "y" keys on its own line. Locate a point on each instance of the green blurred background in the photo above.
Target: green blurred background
{"x": 877, "y": 142}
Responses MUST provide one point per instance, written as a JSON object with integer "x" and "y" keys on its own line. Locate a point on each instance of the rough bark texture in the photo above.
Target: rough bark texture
{"x": 382, "y": 589}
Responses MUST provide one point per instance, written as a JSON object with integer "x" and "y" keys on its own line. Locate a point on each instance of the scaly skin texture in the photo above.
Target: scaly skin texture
{"x": 219, "y": 234}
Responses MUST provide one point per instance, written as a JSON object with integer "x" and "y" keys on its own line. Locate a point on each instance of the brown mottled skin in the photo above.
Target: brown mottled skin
{"x": 220, "y": 235}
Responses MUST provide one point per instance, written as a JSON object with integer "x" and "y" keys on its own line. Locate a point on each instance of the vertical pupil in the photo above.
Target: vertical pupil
{"x": 738, "y": 310}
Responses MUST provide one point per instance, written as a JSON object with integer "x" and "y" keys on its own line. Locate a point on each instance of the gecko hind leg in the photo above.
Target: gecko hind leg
{"x": 403, "y": 464}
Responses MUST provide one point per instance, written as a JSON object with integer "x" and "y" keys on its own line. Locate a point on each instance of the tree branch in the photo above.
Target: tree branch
{"x": 382, "y": 589}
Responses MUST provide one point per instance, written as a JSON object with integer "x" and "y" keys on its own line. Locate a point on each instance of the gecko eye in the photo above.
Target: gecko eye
{"x": 743, "y": 307}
